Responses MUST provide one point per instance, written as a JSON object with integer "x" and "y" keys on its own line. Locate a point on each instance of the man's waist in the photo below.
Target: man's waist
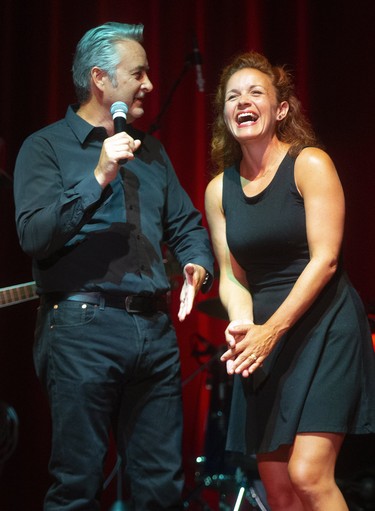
{"x": 132, "y": 303}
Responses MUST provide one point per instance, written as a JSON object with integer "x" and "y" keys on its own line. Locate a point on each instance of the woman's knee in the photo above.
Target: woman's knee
{"x": 309, "y": 478}
{"x": 311, "y": 466}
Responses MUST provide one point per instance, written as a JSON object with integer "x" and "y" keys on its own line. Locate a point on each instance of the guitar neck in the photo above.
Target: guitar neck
{"x": 17, "y": 294}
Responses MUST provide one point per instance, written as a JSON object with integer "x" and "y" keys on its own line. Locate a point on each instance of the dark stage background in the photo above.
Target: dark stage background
{"x": 330, "y": 49}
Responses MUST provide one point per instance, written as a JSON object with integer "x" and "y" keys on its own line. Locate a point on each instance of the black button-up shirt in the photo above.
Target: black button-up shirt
{"x": 84, "y": 238}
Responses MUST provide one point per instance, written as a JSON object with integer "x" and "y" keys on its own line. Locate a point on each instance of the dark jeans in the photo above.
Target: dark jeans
{"x": 104, "y": 367}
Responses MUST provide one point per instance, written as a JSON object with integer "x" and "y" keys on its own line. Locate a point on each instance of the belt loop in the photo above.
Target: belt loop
{"x": 101, "y": 303}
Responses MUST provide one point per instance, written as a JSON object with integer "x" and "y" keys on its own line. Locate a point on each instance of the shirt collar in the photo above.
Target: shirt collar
{"x": 83, "y": 130}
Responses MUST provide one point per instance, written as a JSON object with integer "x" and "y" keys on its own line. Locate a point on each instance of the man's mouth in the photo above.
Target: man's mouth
{"x": 246, "y": 118}
{"x": 138, "y": 98}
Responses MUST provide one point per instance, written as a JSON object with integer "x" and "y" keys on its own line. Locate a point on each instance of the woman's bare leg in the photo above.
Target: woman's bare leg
{"x": 273, "y": 471}
{"x": 312, "y": 471}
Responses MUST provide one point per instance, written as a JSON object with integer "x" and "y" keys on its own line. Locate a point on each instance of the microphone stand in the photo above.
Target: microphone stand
{"x": 187, "y": 65}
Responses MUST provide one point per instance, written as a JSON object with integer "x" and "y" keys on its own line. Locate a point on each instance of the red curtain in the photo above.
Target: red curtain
{"x": 330, "y": 54}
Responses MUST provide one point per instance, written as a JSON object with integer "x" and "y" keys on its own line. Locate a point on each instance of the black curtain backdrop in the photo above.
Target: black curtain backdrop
{"x": 330, "y": 49}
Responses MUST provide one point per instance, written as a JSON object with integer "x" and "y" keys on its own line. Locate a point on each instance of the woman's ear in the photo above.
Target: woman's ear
{"x": 282, "y": 111}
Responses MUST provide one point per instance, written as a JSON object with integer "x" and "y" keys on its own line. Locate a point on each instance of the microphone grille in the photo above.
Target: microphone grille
{"x": 119, "y": 108}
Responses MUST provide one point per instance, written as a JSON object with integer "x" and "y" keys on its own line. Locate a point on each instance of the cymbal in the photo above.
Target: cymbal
{"x": 213, "y": 307}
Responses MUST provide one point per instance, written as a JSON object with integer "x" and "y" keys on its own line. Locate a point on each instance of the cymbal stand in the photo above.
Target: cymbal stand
{"x": 248, "y": 492}
{"x": 194, "y": 495}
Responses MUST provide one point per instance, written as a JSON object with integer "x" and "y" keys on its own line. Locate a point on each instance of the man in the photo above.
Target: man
{"x": 93, "y": 209}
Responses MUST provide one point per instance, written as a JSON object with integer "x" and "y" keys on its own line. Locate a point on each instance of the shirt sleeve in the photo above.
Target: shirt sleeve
{"x": 186, "y": 237}
{"x": 47, "y": 215}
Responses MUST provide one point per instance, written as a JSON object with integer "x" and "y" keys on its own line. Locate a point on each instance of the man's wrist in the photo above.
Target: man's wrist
{"x": 207, "y": 282}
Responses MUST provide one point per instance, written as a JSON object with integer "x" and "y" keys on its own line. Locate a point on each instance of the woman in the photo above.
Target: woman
{"x": 298, "y": 340}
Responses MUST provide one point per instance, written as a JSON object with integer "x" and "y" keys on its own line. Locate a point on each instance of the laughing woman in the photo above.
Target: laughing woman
{"x": 299, "y": 344}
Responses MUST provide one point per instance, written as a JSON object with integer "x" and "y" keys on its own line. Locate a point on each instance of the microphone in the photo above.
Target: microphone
{"x": 119, "y": 109}
{"x": 197, "y": 62}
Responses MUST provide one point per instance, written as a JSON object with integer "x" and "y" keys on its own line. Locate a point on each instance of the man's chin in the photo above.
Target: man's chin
{"x": 136, "y": 113}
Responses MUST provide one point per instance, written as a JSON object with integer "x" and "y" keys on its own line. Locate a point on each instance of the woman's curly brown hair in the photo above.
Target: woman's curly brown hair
{"x": 294, "y": 129}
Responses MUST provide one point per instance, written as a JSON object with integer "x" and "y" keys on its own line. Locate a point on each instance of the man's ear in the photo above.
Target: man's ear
{"x": 98, "y": 77}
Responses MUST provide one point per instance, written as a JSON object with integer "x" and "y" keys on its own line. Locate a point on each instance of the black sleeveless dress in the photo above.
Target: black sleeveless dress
{"x": 321, "y": 375}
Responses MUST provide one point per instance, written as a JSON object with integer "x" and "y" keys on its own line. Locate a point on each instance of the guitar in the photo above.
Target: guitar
{"x": 17, "y": 294}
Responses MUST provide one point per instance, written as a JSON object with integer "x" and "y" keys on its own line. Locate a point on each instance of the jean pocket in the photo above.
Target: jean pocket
{"x": 67, "y": 314}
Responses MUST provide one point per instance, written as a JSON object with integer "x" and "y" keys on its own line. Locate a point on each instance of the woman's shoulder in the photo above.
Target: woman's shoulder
{"x": 314, "y": 166}
{"x": 312, "y": 156}
{"x": 216, "y": 180}
{"x": 215, "y": 186}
